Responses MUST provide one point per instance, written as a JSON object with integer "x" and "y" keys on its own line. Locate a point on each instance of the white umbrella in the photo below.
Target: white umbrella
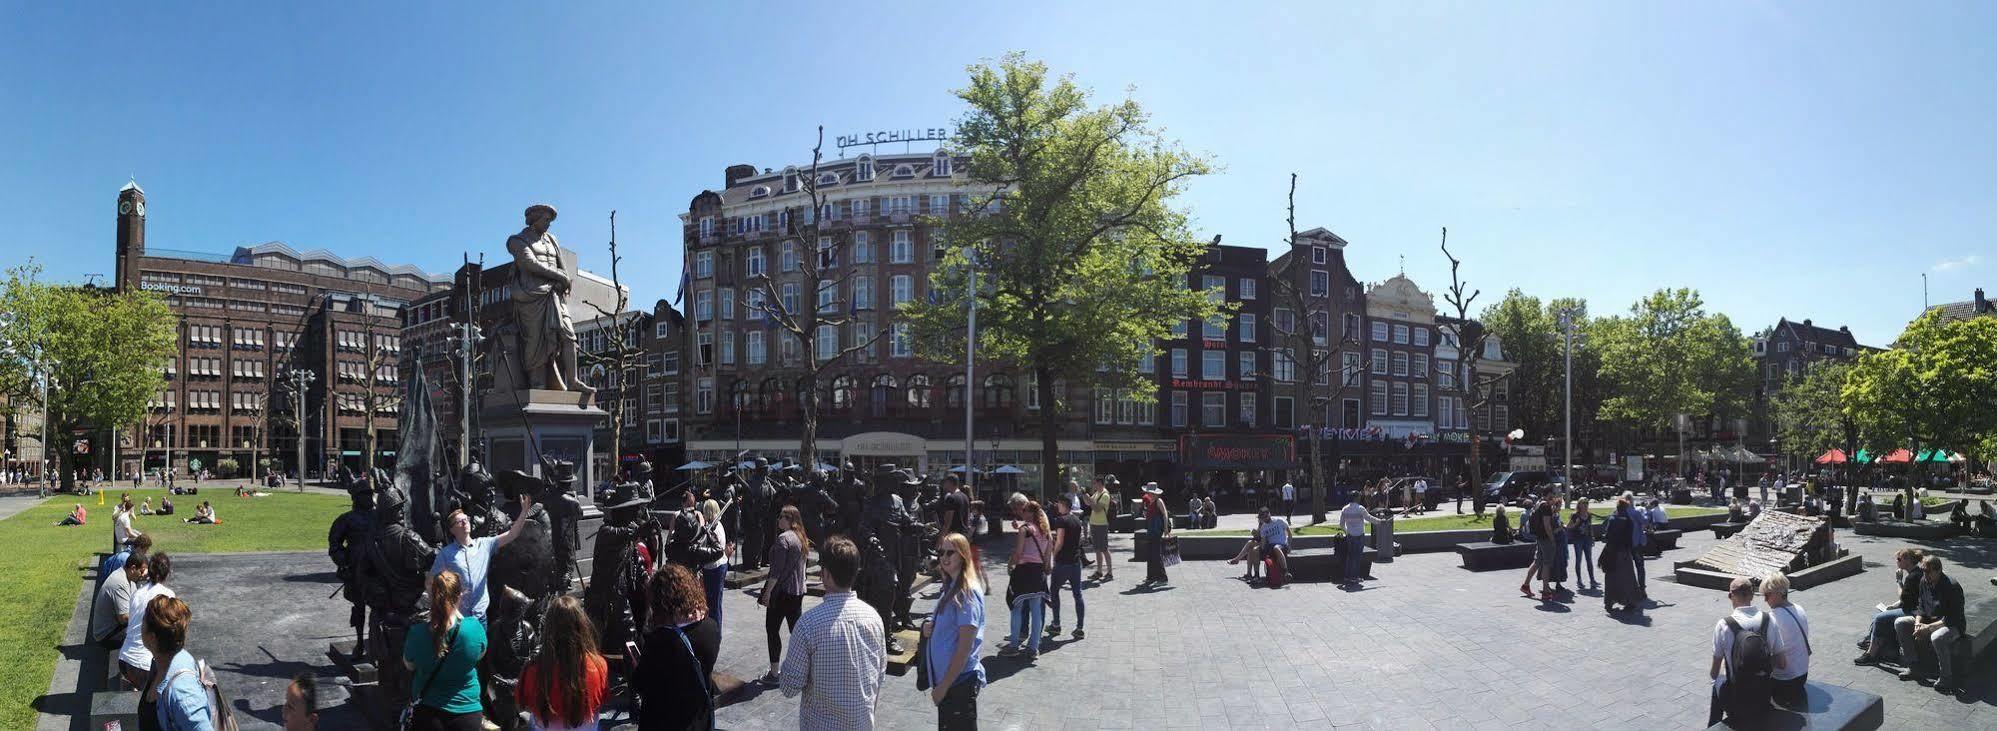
{"x": 692, "y": 466}
{"x": 1008, "y": 470}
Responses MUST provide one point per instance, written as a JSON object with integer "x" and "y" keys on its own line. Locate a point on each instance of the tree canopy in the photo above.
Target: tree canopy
{"x": 1809, "y": 414}
{"x": 1670, "y": 356}
{"x": 1532, "y": 338}
{"x": 1935, "y": 388}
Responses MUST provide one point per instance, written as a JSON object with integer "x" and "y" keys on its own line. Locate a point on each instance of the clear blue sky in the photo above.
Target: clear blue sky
{"x": 1799, "y": 159}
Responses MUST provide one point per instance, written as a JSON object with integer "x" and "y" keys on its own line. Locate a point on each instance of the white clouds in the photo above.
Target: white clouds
{"x": 1949, "y": 265}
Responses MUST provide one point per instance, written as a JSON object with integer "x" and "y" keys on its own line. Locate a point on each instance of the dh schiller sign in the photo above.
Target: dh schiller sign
{"x": 1238, "y": 451}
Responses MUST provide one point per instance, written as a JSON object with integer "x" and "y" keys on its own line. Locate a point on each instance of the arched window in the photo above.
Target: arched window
{"x": 998, "y": 391}
{"x": 770, "y": 396}
{"x": 842, "y": 393}
{"x": 598, "y": 376}
{"x": 881, "y": 394}
{"x": 918, "y": 392}
{"x": 953, "y": 392}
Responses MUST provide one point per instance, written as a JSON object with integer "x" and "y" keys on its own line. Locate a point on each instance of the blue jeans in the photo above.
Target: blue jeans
{"x": 712, "y": 583}
{"x": 1882, "y": 633}
{"x": 1027, "y": 614}
{"x": 1584, "y": 554}
{"x": 1070, "y": 574}
{"x": 1355, "y": 552}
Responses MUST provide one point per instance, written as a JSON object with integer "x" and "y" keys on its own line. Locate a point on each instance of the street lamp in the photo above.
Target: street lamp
{"x": 300, "y": 380}
{"x": 1567, "y": 329}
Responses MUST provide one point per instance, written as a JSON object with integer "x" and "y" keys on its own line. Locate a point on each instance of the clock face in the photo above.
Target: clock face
{"x": 124, "y": 207}
{"x": 142, "y": 208}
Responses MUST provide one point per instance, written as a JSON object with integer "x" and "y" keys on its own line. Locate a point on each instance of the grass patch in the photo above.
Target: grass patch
{"x": 1454, "y": 522}
{"x": 42, "y": 580}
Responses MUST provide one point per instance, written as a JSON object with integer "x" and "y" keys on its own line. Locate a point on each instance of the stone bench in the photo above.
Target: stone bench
{"x": 1495, "y": 556}
{"x": 114, "y": 706}
{"x": 1723, "y": 531}
{"x": 1825, "y": 706}
{"x": 1327, "y": 564}
{"x": 1660, "y": 541}
{"x": 1926, "y": 530}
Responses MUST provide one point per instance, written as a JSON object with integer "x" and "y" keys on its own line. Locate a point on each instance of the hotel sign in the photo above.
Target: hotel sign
{"x": 877, "y": 137}
{"x": 169, "y": 288}
{"x": 1238, "y": 451}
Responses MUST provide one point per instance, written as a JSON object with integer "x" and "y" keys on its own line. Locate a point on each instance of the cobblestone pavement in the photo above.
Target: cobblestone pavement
{"x": 1427, "y": 645}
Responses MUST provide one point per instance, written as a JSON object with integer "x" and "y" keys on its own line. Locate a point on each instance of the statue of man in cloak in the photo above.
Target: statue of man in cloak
{"x": 540, "y": 307}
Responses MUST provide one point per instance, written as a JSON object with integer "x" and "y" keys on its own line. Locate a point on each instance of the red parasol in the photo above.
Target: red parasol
{"x": 1899, "y": 456}
{"x": 1835, "y": 456}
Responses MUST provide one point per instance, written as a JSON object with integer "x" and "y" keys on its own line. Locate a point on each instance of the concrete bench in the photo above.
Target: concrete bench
{"x": 1660, "y": 541}
{"x": 1825, "y": 707}
{"x": 1495, "y": 556}
{"x": 114, "y": 706}
{"x": 1723, "y": 531}
{"x": 1926, "y": 530}
{"x": 1328, "y": 564}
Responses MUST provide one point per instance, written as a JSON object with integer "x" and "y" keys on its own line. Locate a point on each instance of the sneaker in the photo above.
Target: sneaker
{"x": 1053, "y": 630}
{"x": 1946, "y": 687}
{"x": 1033, "y": 656}
{"x": 1910, "y": 674}
{"x": 1007, "y": 651}
{"x": 485, "y": 724}
{"x": 769, "y": 679}
{"x": 1079, "y": 634}
{"x": 1865, "y": 660}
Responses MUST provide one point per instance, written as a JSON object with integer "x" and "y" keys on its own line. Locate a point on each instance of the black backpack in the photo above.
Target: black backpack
{"x": 1750, "y": 688}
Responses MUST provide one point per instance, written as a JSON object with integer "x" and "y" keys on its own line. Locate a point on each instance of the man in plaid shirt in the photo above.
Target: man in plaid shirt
{"x": 838, "y": 651}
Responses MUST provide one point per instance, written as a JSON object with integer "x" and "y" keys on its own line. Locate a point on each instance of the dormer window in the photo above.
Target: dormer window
{"x": 825, "y": 179}
{"x": 1317, "y": 255}
{"x": 759, "y": 191}
{"x": 941, "y": 168}
{"x": 790, "y": 180}
{"x": 863, "y": 169}
{"x": 904, "y": 171}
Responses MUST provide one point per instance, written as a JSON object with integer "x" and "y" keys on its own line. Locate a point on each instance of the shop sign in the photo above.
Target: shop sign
{"x": 1239, "y": 451}
{"x": 883, "y": 444}
{"x": 1146, "y": 446}
{"x": 1187, "y": 383}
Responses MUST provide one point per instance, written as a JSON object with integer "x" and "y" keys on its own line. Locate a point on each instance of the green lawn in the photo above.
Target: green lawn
{"x": 1452, "y": 522}
{"x": 42, "y": 577}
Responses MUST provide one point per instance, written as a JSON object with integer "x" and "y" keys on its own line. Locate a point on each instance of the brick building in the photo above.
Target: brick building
{"x": 247, "y": 320}
{"x": 1782, "y": 355}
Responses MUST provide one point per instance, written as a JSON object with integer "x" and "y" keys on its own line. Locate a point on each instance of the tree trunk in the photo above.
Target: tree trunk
{"x": 64, "y": 459}
{"x": 1476, "y": 466}
{"x": 1319, "y": 484}
{"x": 1050, "y": 447}
{"x": 807, "y": 443}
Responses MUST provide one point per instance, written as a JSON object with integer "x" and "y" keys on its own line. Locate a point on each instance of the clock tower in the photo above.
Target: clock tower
{"x": 131, "y": 233}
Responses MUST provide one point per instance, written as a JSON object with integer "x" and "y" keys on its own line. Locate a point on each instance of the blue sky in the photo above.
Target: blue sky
{"x": 1799, "y": 159}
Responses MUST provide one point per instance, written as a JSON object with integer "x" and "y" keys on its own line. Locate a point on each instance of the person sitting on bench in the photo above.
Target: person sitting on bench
{"x": 1501, "y": 529}
{"x": 204, "y": 514}
{"x": 1275, "y": 540}
{"x": 1937, "y": 624}
{"x": 1251, "y": 552}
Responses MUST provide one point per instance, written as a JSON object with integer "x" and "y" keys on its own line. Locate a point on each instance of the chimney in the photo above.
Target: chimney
{"x": 1806, "y": 322}
{"x": 1982, "y": 305}
{"x": 738, "y": 172}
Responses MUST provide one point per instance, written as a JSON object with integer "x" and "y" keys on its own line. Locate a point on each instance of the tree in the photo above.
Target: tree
{"x": 1670, "y": 356}
{"x": 1809, "y": 414}
{"x": 379, "y": 374}
{"x": 1081, "y": 262}
{"x": 1531, "y": 334}
{"x": 1934, "y": 389}
{"x": 815, "y": 326}
{"x": 1470, "y": 338}
{"x": 620, "y": 356}
{"x": 103, "y": 353}
{"x": 1304, "y": 352}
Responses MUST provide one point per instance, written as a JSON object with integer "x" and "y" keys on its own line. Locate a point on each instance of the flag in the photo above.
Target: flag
{"x": 686, "y": 280}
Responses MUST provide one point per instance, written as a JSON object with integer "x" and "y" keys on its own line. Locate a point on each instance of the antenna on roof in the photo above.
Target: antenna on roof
{"x": 1924, "y": 291}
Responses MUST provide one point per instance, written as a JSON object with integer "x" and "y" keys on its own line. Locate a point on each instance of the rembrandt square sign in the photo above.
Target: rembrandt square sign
{"x": 1238, "y": 451}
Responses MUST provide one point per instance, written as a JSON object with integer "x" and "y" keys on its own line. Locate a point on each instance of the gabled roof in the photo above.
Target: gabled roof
{"x": 1808, "y": 331}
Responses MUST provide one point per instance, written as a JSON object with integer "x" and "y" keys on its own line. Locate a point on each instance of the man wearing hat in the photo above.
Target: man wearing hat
{"x": 547, "y": 349}
{"x": 346, "y": 543}
{"x": 615, "y": 573}
{"x": 1158, "y": 522}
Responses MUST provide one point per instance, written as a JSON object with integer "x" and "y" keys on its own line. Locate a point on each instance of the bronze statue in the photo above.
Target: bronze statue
{"x": 614, "y": 598}
{"x": 346, "y": 544}
{"x": 541, "y": 290}
{"x": 397, "y": 565}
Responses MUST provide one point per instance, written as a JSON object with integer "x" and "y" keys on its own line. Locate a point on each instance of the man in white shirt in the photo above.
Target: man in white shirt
{"x": 148, "y": 577}
{"x": 1354, "y": 519}
{"x": 470, "y": 557}
{"x": 1789, "y": 635}
{"x": 1289, "y": 500}
{"x": 1420, "y": 504}
{"x": 1276, "y": 540}
{"x": 1741, "y": 594}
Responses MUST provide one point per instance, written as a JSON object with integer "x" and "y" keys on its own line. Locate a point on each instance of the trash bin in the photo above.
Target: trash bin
{"x": 1383, "y": 541}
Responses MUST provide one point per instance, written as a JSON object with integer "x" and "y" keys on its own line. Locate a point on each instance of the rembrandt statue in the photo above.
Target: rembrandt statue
{"x": 540, "y": 307}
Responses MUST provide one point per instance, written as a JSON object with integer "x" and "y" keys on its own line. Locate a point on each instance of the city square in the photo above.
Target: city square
{"x": 491, "y": 435}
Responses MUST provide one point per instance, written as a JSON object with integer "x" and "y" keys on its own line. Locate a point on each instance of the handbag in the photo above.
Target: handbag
{"x": 408, "y": 718}
{"x": 1168, "y": 549}
{"x": 706, "y": 685}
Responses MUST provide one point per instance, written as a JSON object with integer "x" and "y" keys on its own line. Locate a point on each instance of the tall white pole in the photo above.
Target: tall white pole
{"x": 1567, "y": 324}
{"x": 970, "y": 372}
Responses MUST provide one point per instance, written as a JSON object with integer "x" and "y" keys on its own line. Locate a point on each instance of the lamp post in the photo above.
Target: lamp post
{"x": 300, "y": 380}
{"x": 1567, "y": 329}
{"x": 970, "y": 371}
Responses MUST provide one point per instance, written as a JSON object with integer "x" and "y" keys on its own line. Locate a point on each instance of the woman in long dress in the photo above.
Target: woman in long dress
{"x": 1619, "y": 562}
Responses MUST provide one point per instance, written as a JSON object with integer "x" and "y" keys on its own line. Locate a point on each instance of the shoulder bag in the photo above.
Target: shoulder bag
{"x": 408, "y": 718}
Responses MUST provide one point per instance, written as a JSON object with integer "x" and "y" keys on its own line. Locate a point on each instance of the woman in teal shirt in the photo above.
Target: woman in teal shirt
{"x": 444, "y": 654}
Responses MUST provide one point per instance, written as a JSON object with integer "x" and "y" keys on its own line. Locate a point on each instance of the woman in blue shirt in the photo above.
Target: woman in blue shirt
{"x": 444, "y": 654}
{"x": 956, "y": 635}
{"x": 180, "y": 701}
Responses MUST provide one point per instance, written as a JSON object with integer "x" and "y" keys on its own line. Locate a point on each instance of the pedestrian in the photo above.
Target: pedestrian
{"x": 567, "y": 681}
{"x": 673, "y": 681}
{"x": 1540, "y": 526}
{"x": 1159, "y": 525}
{"x": 1789, "y": 632}
{"x": 1102, "y": 507}
{"x": 1462, "y": 486}
{"x": 301, "y": 703}
{"x": 1619, "y": 561}
{"x": 714, "y": 575}
{"x": 1741, "y": 660}
{"x": 955, "y": 635}
{"x": 783, "y": 590}
{"x": 1908, "y": 578}
{"x": 1353, "y": 520}
{"x": 135, "y": 659}
{"x": 470, "y": 557}
{"x": 1289, "y": 500}
{"x": 76, "y": 516}
{"x": 1026, "y": 590}
{"x": 178, "y": 697}
{"x": 838, "y": 653}
{"x": 1067, "y": 532}
{"x": 1639, "y": 536}
{"x": 953, "y": 510}
{"x": 442, "y": 655}
{"x": 1581, "y": 535}
{"x": 1939, "y": 623}
{"x": 122, "y": 531}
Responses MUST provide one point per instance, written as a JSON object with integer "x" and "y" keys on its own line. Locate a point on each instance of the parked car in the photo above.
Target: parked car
{"x": 1508, "y": 486}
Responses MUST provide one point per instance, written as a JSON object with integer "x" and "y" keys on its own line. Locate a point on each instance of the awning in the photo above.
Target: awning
{"x": 1938, "y": 455}
{"x": 692, "y": 466}
{"x": 1835, "y": 456}
{"x": 1899, "y": 456}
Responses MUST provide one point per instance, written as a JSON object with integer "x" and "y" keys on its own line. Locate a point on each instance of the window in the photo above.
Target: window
{"x": 1285, "y": 415}
{"x": 728, "y": 303}
{"x": 900, "y": 251}
{"x": 706, "y": 226}
{"x": 1247, "y": 365}
{"x": 1379, "y": 361}
{"x": 863, "y": 336}
{"x": 705, "y": 345}
{"x": 753, "y": 342}
{"x": 1445, "y": 374}
{"x": 1282, "y": 366}
{"x": 901, "y": 288}
{"x": 1213, "y": 365}
{"x": 1400, "y": 335}
{"x": 1782, "y": 346}
{"x": 1214, "y": 329}
{"x": 864, "y": 168}
{"x": 1180, "y": 402}
{"x": 941, "y": 167}
{"x": 1147, "y": 363}
{"x": 828, "y": 257}
{"x": 1379, "y": 332}
{"x": 1351, "y": 326}
{"x": 1105, "y": 406}
{"x": 1213, "y": 408}
{"x": 1320, "y": 283}
{"x": 703, "y": 265}
{"x": 1421, "y": 399}
{"x": 1502, "y": 415}
{"x": 1320, "y": 328}
{"x": 863, "y": 248}
{"x": 787, "y": 349}
{"x": 1248, "y": 409}
{"x": 1214, "y": 285}
{"x": 1179, "y": 365}
{"x": 1283, "y": 321}
{"x": 828, "y": 296}
{"x": 728, "y": 347}
{"x": 1246, "y": 328}
{"x": 953, "y": 392}
{"x": 899, "y": 345}
{"x": 753, "y": 303}
{"x": 998, "y": 392}
{"x": 1420, "y": 367}
{"x": 1400, "y": 399}
{"x": 1421, "y": 337}
{"x": 1178, "y": 329}
{"x": 787, "y": 257}
{"x": 918, "y": 392}
{"x": 860, "y": 205}
{"x": 703, "y": 305}
{"x": 670, "y": 365}
{"x": 787, "y": 297}
{"x": 1317, "y": 255}
{"x": 1247, "y": 288}
{"x": 1379, "y": 397}
{"x": 828, "y": 341}
{"x": 1400, "y": 364}
{"x": 703, "y": 396}
{"x": 1349, "y": 366}
{"x": 863, "y": 292}
{"x": 939, "y": 204}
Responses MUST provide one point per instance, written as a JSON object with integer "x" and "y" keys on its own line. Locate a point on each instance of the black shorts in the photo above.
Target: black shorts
{"x": 1099, "y": 536}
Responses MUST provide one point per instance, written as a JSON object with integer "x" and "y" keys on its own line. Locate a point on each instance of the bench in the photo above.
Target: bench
{"x": 1327, "y": 564}
{"x": 114, "y": 706}
{"x": 1495, "y": 556}
{"x": 1660, "y": 541}
{"x": 1926, "y": 530}
{"x": 1825, "y": 707}
{"x": 1723, "y": 531}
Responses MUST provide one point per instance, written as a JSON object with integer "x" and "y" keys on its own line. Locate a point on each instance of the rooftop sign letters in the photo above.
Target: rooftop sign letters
{"x": 169, "y": 288}
{"x": 892, "y": 135}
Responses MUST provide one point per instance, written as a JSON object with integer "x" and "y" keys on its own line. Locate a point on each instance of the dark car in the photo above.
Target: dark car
{"x": 1507, "y": 486}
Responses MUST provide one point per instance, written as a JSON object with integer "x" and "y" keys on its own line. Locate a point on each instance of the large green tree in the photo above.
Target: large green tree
{"x": 1531, "y": 333}
{"x": 1671, "y": 356}
{"x": 1080, "y": 260}
{"x": 103, "y": 353}
{"x": 1809, "y": 414}
{"x": 1937, "y": 387}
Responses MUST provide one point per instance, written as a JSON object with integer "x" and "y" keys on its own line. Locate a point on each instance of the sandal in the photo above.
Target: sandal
{"x": 1526, "y": 589}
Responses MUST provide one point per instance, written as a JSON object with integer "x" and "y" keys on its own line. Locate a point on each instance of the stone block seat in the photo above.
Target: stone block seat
{"x": 1662, "y": 540}
{"x": 1920, "y": 530}
{"x": 1723, "y": 531}
{"x": 1825, "y": 706}
{"x": 1495, "y": 556}
{"x": 1328, "y": 564}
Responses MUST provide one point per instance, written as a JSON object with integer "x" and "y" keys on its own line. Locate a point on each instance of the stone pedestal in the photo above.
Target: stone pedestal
{"x": 521, "y": 426}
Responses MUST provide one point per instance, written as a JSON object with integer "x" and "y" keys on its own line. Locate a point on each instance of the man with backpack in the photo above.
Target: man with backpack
{"x": 1742, "y": 658}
